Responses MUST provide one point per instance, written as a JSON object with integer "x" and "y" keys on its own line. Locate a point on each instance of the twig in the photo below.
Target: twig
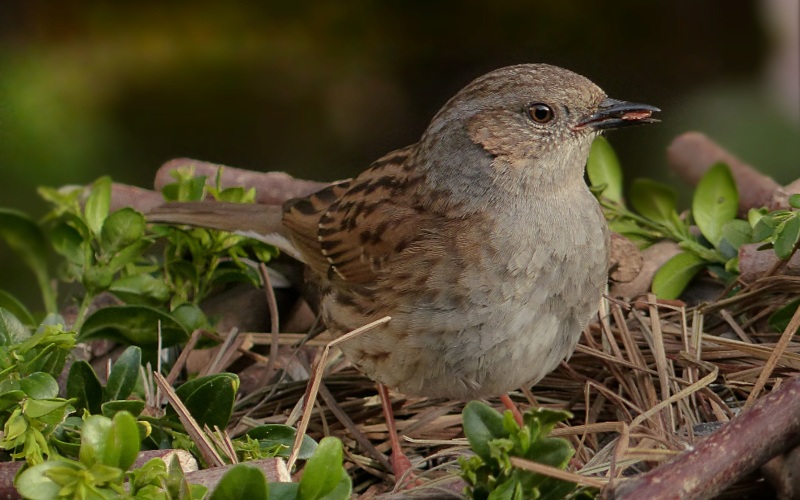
{"x": 313, "y": 386}
{"x": 769, "y": 427}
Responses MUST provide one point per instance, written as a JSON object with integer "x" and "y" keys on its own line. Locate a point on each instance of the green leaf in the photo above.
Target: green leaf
{"x": 133, "y": 325}
{"x": 113, "y": 443}
{"x": 269, "y": 435}
{"x": 16, "y": 308}
{"x": 755, "y": 214}
{"x": 120, "y": 229}
{"x": 98, "y": 204}
{"x": 39, "y": 385}
{"x": 209, "y": 399}
{"x": 735, "y": 233}
{"x": 85, "y": 387}
{"x": 715, "y": 202}
{"x": 38, "y": 408}
{"x": 27, "y": 240}
{"x": 765, "y": 228}
{"x": 129, "y": 254}
{"x": 35, "y": 483}
{"x": 283, "y": 491}
{"x": 794, "y": 200}
{"x": 12, "y": 331}
{"x": 323, "y": 473}
{"x": 482, "y": 424}
{"x": 779, "y": 320}
{"x": 510, "y": 489}
{"x": 241, "y": 481}
{"x": 673, "y": 277}
{"x": 140, "y": 288}
{"x": 124, "y": 374}
{"x": 787, "y": 239}
{"x": 653, "y": 200}
{"x": 68, "y": 242}
{"x": 132, "y": 406}
{"x": 190, "y": 316}
{"x": 188, "y": 187}
{"x": 603, "y": 169}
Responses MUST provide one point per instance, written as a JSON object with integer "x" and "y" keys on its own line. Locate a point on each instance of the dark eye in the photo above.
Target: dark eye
{"x": 540, "y": 113}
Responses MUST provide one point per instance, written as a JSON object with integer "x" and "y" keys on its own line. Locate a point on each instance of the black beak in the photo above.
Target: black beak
{"x": 615, "y": 114}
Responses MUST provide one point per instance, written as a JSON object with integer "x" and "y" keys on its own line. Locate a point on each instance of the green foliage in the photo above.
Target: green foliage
{"x": 108, "y": 448}
{"x": 275, "y": 440}
{"x": 495, "y": 438}
{"x": 110, "y": 251}
{"x": 604, "y": 170}
{"x": 676, "y": 273}
{"x": 84, "y": 387}
{"x": 323, "y": 476}
{"x": 209, "y": 399}
{"x": 30, "y": 409}
{"x": 242, "y": 481}
{"x": 714, "y": 207}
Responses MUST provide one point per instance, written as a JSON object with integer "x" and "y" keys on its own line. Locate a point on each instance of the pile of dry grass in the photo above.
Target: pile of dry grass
{"x": 646, "y": 383}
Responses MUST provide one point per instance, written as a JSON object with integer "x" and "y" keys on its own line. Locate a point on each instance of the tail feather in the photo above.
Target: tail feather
{"x": 262, "y": 222}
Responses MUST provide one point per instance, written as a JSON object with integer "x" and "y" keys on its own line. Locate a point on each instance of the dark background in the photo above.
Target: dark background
{"x": 320, "y": 90}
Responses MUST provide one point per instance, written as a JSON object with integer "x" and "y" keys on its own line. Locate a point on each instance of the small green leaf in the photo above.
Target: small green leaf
{"x": 35, "y": 483}
{"x": 653, "y": 200}
{"x": 120, "y": 229}
{"x": 755, "y": 214}
{"x": 269, "y": 435}
{"x": 603, "y": 169}
{"x": 85, "y": 387}
{"x": 190, "y": 316}
{"x": 765, "y": 228}
{"x": 735, "y": 233}
{"x": 283, "y": 491}
{"x": 129, "y": 254}
{"x": 188, "y": 187}
{"x": 787, "y": 239}
{"x": 98, "y": 204}
{"x": 323, "y": 472}
{"x": 779, "y": 320}
{"x": 132, "y": 406}
{"x": 136, "y": 325}
{"x": 241, "y": 481}
{"x": 12, "y": 331}
{"x": 68, "y": 242}
{"x": 715, "y": 202}
{"x": 113, "y": 443}
{"x": 39, "y": 385}
{"x": 140, "y": 288}
{"x": 124, "y": 374}
{"x": 209, "y": 399}
{"x": 794, "y": 200}
{"x": 482, "y": 424}
{"x": 38, "y": 408}
{"x": 673, "y": 277}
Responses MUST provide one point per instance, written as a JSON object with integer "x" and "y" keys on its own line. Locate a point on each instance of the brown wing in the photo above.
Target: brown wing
{"x": 349, "y": 230}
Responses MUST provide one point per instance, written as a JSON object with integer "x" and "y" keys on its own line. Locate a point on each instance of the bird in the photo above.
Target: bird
{"x": 481, "y": 241}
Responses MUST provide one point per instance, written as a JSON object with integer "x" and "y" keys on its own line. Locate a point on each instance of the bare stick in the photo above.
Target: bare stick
{"x": 769, "y": 427}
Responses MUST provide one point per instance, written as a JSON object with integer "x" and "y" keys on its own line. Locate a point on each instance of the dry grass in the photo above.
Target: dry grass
{"x": 646, "y": 382}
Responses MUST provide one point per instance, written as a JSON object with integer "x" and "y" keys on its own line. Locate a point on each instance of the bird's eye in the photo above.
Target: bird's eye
{"x": 540, "y": 113}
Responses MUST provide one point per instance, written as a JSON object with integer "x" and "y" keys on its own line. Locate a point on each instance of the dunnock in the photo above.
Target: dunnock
{"x": 481, "y": 241}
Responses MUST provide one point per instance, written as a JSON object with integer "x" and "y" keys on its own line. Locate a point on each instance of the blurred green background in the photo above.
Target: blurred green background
{"x": 320, "y": 89}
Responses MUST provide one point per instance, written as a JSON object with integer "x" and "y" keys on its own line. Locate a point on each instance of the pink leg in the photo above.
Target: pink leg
{"x": 511, "y": 406}
{"x": 400, "y": 462}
